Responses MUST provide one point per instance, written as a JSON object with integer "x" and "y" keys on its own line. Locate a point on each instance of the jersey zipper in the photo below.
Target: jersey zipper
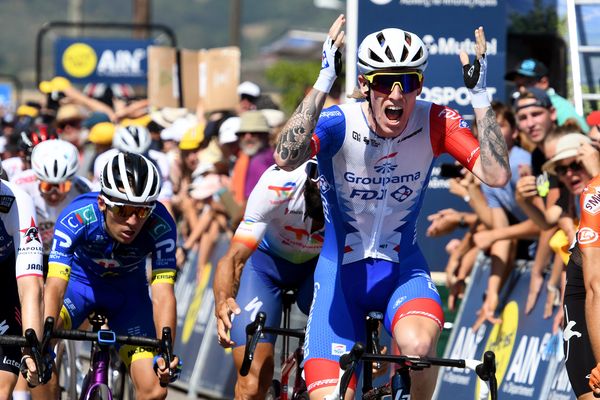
{"x": 382, "y": 204}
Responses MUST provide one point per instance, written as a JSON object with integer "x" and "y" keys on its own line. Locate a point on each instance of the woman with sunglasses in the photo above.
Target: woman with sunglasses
{"x": 576, "y": 163}
{"x": 98, "y": 262}
{"x": 375, "y": 157}
{"x": 274, "y": 249}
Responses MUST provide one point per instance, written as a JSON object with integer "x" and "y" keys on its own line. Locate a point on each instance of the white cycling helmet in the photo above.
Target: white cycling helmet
{"x": 131, "y": 178}
{"x": 54, "y": 161}
{"x": 132, "y": 139}
{"x": 391, "y": 48}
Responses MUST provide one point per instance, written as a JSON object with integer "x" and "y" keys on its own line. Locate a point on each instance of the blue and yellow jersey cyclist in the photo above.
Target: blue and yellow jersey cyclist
{"x": 102, "y": 241}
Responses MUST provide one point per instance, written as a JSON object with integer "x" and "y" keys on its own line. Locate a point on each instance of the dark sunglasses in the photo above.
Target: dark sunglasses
{"x": 123, "y": 210}
{"x": 384, "y": 82}
{"x": 312, "y": 171}
{"x": 562, "y": 169}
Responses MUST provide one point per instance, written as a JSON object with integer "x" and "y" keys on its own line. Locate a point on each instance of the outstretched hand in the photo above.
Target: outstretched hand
{"x": 474, "y": 74}
{"x": 223, "y": 312}
{"x": 331, "y": 60}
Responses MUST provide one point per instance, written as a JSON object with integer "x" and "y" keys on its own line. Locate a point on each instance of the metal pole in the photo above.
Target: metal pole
{"x": 141, "y": 16}
{"x": 235, "y": 23}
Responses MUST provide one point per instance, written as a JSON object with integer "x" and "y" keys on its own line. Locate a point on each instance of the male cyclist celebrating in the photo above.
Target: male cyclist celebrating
{"x": 98, "y": 260}
{"x": 279, "y": 240}
{"x": 375, "y": 159}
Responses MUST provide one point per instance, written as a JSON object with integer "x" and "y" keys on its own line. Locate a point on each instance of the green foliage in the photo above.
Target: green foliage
{"x": 541, "y": 19}
{"x": 292, "y": 79}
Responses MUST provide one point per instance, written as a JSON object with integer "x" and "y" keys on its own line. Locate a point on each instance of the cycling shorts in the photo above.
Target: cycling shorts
{"x": 125, "y": 302}
{"x": 264, "y": 279}
{"x": 344, "y": 295}
{"x": 10, "y": 314}
{"x": 579, "y": 357}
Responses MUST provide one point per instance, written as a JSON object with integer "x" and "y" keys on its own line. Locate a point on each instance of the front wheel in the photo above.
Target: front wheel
{"x": 67, "y": 367}
{"x": 274, "y": 392}
{"x": 100, "y": 392}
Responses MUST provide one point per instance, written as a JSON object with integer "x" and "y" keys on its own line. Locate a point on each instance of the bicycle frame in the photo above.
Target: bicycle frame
{"x": 97, "y": 374}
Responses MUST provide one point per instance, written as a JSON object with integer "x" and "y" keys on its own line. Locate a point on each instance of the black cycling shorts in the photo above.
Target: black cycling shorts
{"x": 579, "y": 357}
{"x": 10, "y": 316}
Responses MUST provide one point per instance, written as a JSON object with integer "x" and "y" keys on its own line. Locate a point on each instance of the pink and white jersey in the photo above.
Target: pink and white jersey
{"x": 373, "y": 187}
{"x": 18, "y": 231}
{"x": 47, "y": 214}
{"x": 274, "y": 220}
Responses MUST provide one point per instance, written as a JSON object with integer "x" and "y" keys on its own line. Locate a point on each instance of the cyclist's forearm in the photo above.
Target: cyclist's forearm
{"x": 293, "y": 147}
{"x": 229, "y": 273}
{"x": 54, "y": 293}
{"x": 164, "y": 306}
{"x": 30, "y": 295}
{"x": 493, "y": 154}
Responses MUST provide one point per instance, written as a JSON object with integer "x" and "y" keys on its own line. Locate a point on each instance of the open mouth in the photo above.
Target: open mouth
{"x": 394, "y": 113}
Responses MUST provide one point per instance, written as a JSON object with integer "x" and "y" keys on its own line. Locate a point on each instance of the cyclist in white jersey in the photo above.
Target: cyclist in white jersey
{"x": 137, "y": 139}
{"x": 375, "y": 158}
{"x": 22, "y": 284}
{"x": 52, "y": 184}
{"x": 274, "y": 249}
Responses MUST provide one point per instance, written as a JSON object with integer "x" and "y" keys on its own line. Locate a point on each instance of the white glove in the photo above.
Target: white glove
{"x": 331, "y": 66}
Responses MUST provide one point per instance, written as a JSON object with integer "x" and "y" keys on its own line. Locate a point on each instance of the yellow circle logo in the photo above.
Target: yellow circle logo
{"x": 79, "y": 60}
{"x": 501, "y": 341}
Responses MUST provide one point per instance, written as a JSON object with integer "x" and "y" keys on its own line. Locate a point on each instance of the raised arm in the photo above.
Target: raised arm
{"x": 293, "y": 147}
{"x": 492, "y": 165}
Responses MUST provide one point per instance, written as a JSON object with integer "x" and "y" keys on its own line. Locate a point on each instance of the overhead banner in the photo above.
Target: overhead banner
{"x": 85, "y": 60}
{"x": 529, "y": 356}
{"x": 446, "y": 27}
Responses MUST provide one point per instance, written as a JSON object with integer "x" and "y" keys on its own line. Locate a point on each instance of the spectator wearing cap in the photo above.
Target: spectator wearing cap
{"x": 101, "y": 136}
{"x": 229, "y": 140}
{"x": 536, "y": 118}
{"x": 249, "y": 92}
{"x": 532, "y": 72}
{"x": 255, "y": 154}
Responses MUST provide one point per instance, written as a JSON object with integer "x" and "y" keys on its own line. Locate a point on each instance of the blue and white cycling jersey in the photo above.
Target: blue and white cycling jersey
{"x": 82, "y": 243}
{"x": 373, "y": 187}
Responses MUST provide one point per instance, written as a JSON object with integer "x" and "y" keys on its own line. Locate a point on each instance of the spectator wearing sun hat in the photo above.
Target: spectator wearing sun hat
{"x": 255, "y": 154}
{"x": 532, "y": 72}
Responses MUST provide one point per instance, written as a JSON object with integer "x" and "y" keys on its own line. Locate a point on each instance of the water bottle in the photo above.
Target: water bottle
{"x": 401, "y": 384}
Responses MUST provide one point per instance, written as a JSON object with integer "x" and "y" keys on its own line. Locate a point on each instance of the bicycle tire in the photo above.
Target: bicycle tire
{"x": 378, "y": 393}
{"x": 274, "y": 392}
{"x": 100, "y": 392}
{"x": 67, "y": 368}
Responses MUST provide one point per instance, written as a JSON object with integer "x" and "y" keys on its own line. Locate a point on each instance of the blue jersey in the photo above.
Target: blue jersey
{"x": 82, "y": 243}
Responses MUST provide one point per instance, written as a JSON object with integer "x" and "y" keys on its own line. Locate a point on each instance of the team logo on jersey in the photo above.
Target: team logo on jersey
{"x": 402, "y": 193}
{"x": 384, "y": 164}
{"x": 158, "y": 227}
{"x": 6, "y": 203}
{"x": 587, "y": 235}
{"x": 31, "y": 233}
{"x": 591, "y": 203}
{"x": 77, "y": 219}
{"x": 282, "y": 193}
{"x": 463, "y": 124}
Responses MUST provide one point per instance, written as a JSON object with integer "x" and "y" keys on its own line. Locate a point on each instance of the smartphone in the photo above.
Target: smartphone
{"x": 449, "y": 170}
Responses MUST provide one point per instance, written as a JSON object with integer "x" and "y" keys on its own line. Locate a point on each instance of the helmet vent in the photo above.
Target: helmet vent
{"x": 374, "y": 56}
{"x": 381, "y": 39}
{"x": 404, "y": 54}
{"x": 418, "y": 55}
{"x": 389, "y": 54}
{"x": 55, "y": 168}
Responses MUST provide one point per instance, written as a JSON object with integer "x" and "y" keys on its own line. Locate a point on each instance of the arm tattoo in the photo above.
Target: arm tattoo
{"x": 492, "y": 144}
{"x": 294, "y": 141}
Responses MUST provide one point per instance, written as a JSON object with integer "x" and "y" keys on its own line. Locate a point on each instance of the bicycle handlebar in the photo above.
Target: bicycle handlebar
{"x": 485, "y": 370}
{"x": 254, "y": 331}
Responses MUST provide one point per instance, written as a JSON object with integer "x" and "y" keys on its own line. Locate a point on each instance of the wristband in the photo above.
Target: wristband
{"x": 324, "y": 83}
{"x": 480, "y": 99}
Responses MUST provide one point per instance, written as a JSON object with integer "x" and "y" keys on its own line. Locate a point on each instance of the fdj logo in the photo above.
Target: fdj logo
{"x": 400, "y": 194}
{"x": 384, "y": 164}
{"x": 77, "y": 219}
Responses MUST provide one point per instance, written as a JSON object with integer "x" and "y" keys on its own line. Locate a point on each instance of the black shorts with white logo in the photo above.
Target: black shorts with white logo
{"x": 10, "y": 316}
{"x": 579, "y": 357}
